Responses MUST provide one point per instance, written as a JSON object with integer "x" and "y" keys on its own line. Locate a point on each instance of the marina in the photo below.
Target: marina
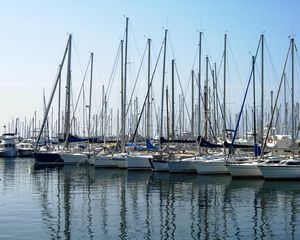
{"x": 149, "y": 120}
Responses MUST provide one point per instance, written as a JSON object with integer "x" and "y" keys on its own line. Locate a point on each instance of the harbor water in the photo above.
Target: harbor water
{"x": 81, "y": 202}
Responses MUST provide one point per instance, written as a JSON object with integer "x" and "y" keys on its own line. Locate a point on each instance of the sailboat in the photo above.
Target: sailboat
{"x": 215, "y": 163}
{"x": 287, "y": 168}
{"x": 247, "y": 166}
{"x": 117, "y": 159}
{"x": 50, "y": 155}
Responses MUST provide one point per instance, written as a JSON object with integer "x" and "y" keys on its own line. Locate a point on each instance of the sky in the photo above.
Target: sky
{"x": 34, "y": 34}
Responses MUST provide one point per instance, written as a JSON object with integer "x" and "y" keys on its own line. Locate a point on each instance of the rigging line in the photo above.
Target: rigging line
{"x": 77, "y": 55}
{"x": 243, "y": 103}
{"x": 195, "y": 58}
{"x": 171, "y": 45}
{"x": 273, "y": 111}
{"x": 297, "y": 55}
{"x": 81, "y": 88}
{"x": 112, "y": 74}
{"x": 182, "y": 92}
{"x": 202, "y": 100}
{"x": 148, "y": 91}
{"x": 137, "y": 77}
{"x": 271, "y": 60}
{"x": 206, "y": 44}
{"x": 235, "y": 65}
{"x": 135, "y": 41}
{"x": 108, "y": 89}
{"x": 214, "y": 84}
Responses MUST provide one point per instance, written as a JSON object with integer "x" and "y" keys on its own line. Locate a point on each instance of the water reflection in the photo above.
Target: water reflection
{"x": 82, "y": 202}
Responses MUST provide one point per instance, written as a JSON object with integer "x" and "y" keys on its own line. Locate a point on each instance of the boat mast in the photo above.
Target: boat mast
{"x": 90, "y": 100}
{"x": 293, "y": 98}
{"x": 224, "y": 93}
{"x": 254, "y": 106}
{"x": 51, "y": 97}
{"x": 125, "y": 78}
{"x": 199, "y": 85}
{"x": 59, "y": 99}
{"x": 122, "y": 102}
{"x": 163, "y": 85}
{"x": 262, "y": 91}
{"x": 149, "y": 96}
{"x": 68, "y": 95}
{"x": 206, "y": 102}
{"x": 173, "y": 101}
{"x": 192, "y": 118}
{"x": 167, "y": 106}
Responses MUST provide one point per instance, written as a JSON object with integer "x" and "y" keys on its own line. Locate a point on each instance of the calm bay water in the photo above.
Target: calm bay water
{"x": 73, "y": 202}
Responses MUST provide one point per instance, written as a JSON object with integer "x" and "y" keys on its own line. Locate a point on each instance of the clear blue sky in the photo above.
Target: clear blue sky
{"x": 34, "y": 34}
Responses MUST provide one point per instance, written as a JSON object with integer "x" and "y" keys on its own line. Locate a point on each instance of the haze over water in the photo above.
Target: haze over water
{"x": 73, "y": 202}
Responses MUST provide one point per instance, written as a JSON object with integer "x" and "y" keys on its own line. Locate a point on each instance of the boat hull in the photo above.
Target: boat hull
{"x": 244, "y": 170}
{"x": 48, "y": 158}
{"x": 138, "y": 162}
{"x": 104, "y": 161}
{"x": 8, "y": 152}
{"x": 159, "y": 165}
{"x": 280, "y": 172}
{"x": 75, "y": 158}
{"x": 25, "y": 153}
{"x": 182, "y": 166}
{"x": 211, "y": 167}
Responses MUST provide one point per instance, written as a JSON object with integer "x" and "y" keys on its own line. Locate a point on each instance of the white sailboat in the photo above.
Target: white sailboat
{"x": 287, "y": 168}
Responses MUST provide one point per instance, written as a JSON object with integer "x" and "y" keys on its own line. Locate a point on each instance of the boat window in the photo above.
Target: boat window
{"x": 293, "y": 163}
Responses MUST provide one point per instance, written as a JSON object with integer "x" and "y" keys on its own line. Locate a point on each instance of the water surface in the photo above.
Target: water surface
{"x": 74, "y": 202}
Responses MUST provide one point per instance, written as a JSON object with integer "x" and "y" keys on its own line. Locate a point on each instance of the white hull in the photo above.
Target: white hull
{"x": 244, "y": 170}
{"x": 182, "y": 166}
{"x": 75, "y": 158}
{"x": 138, "y": 162}
{"x": 280, "y": 172}
{"x": 120, "y": 161}
{"x": 211, "y": 166}
{"x": 159, "y": 165}
{"x": 104, "y": 161}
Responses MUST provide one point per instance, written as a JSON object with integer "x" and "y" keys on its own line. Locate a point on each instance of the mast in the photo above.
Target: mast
{"x": 125, "y": 78}
{"x": 51, "y": 97}
{"x": 68, "y": 95}
{"x": 122, "y": 102}
{"x": 206, "y": 102}
{"x": 224, "y": 92}
{"x": 59, "y": 99}
{"x": 293, "y": 97}
{"x": 199, "y": 85}
{"x": 163, "y": 85}
{"x": 262, "y": 92}
{"x": 254, "y": 106}
{"x": 167, "y": 106}
{"x": 90, "y": 100}
{"x": 285, "y": 106}
{"x": 149, "y": 96}
{"x": 214, "y": 103}
{"x": 192, "y": 118}
{"x": 173, "y": 101}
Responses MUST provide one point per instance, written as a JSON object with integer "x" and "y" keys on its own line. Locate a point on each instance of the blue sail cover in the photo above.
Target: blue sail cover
{"x": 150, "y": 146}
